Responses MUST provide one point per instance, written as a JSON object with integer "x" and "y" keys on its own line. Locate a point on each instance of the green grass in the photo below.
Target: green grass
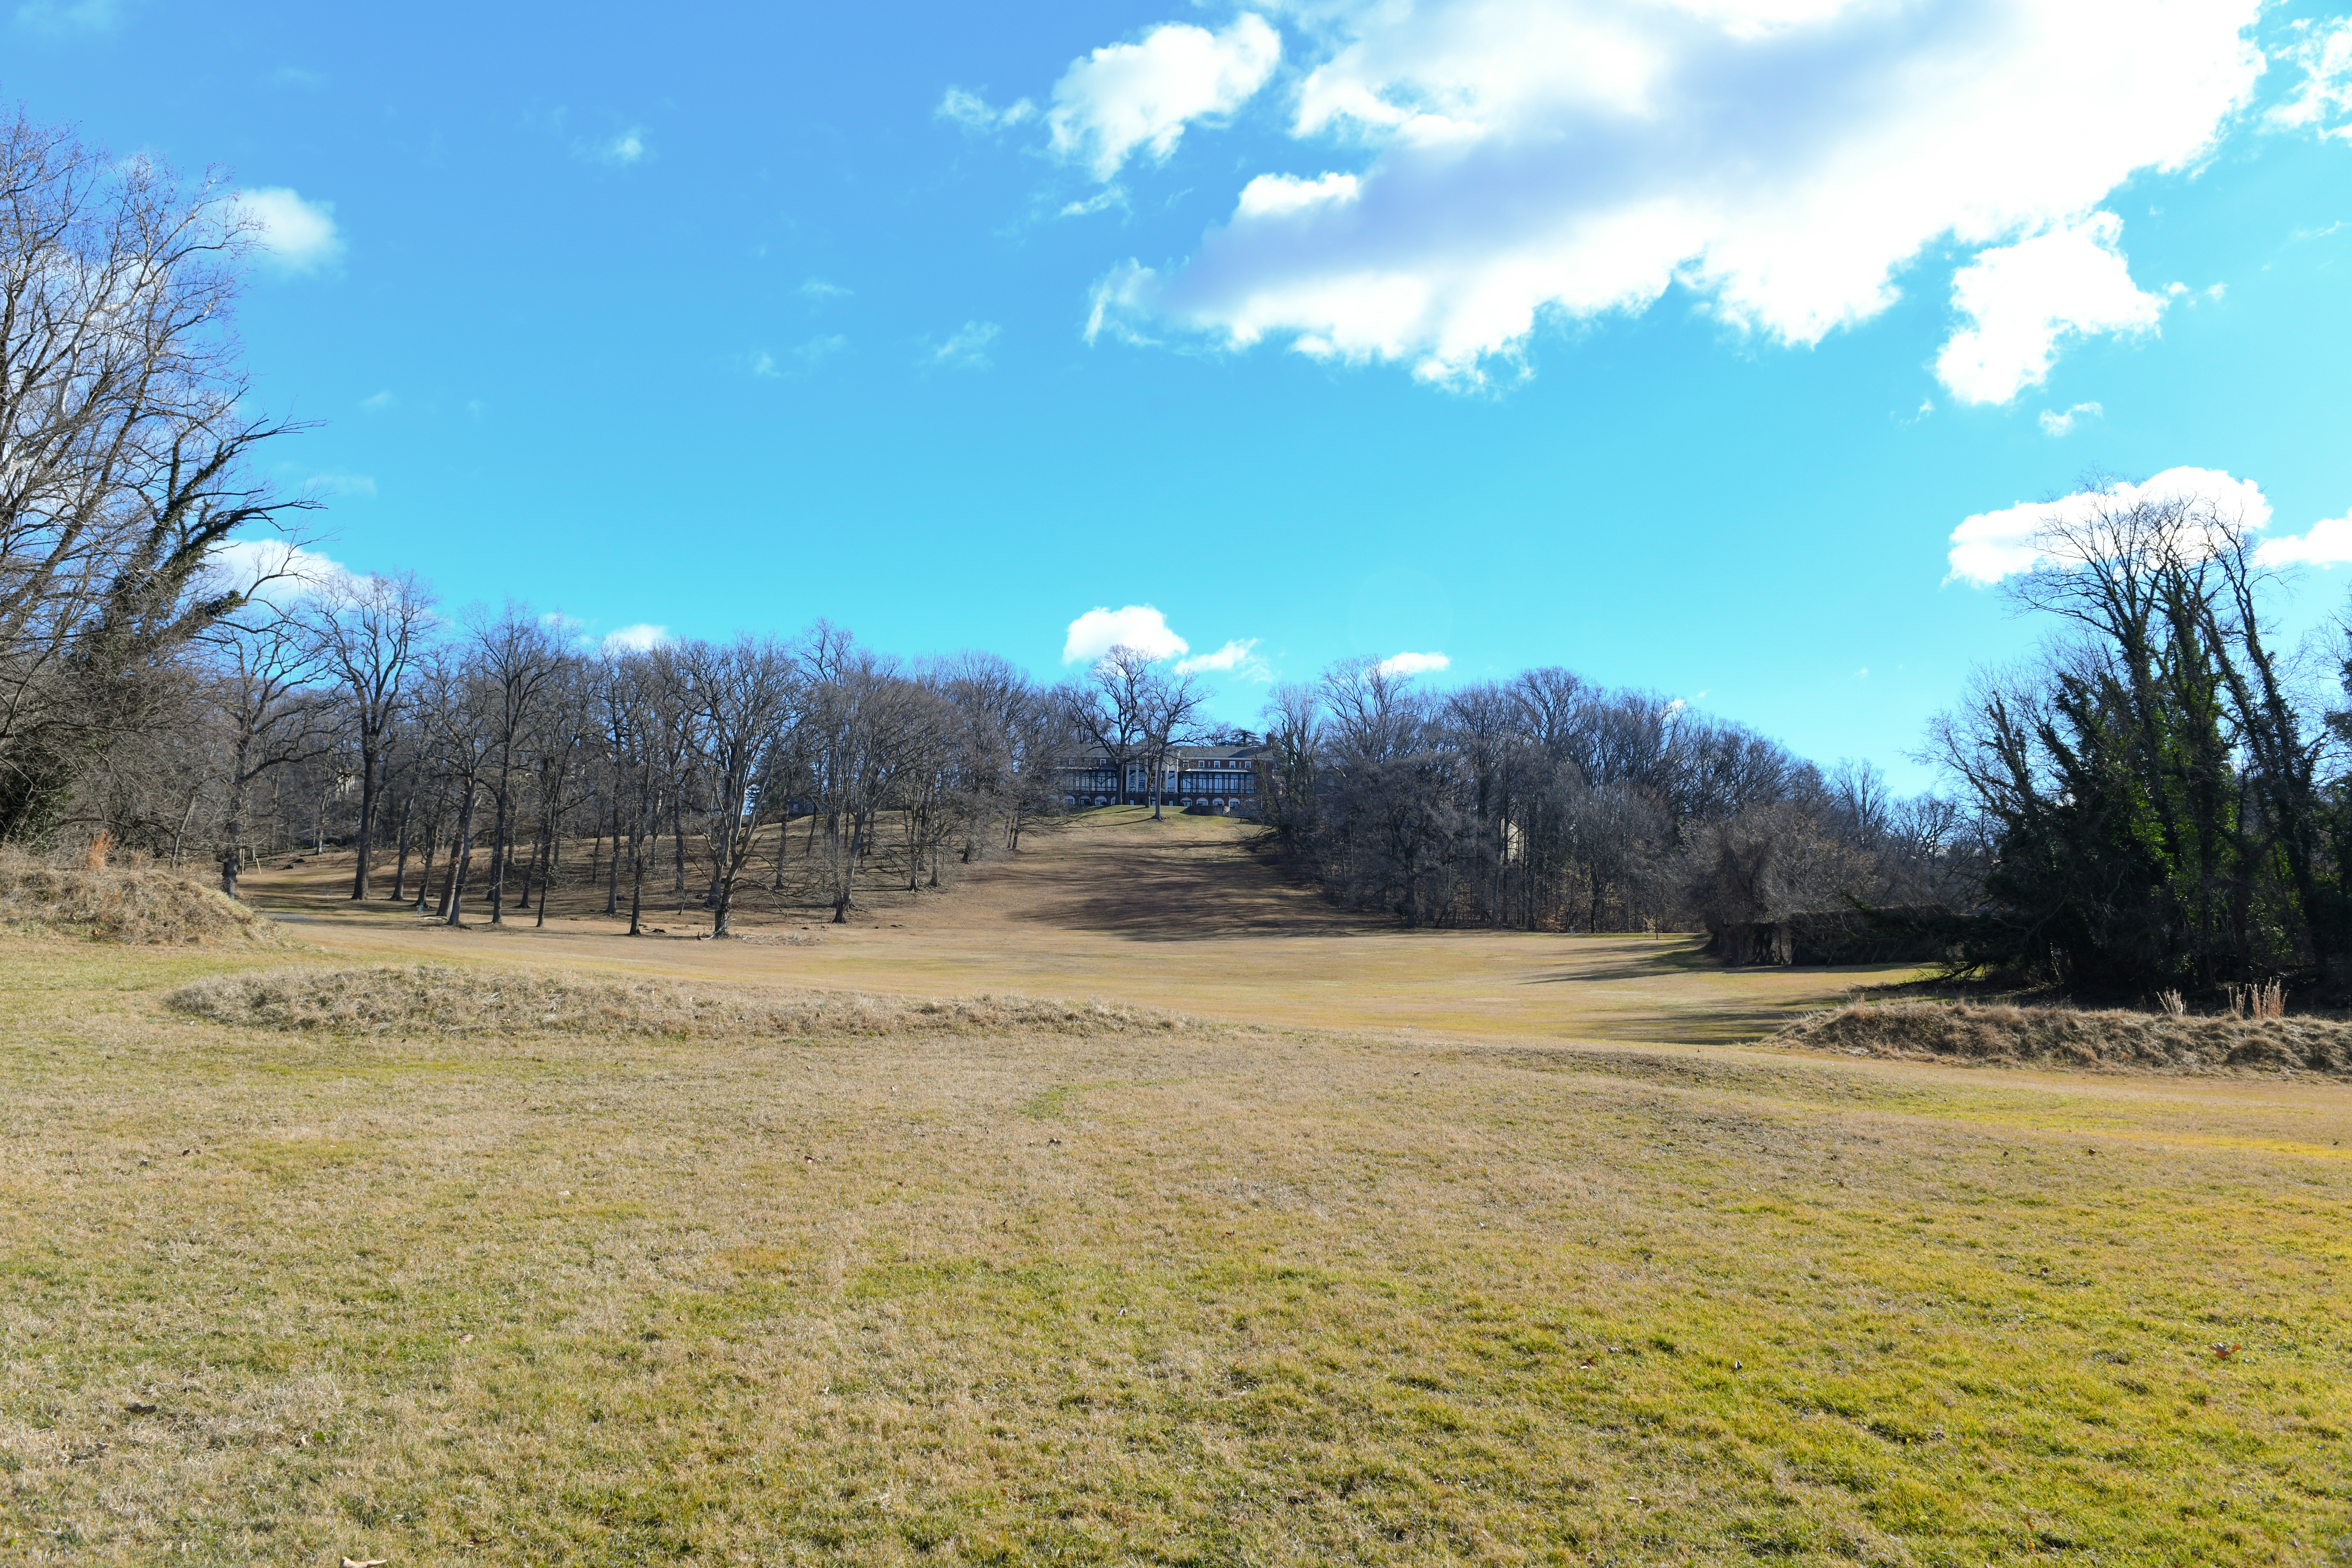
{"x": 1210, "y": 1296}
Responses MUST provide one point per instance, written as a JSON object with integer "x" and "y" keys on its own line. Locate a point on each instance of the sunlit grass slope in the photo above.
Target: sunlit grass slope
{"x": 1191, "y": 1293}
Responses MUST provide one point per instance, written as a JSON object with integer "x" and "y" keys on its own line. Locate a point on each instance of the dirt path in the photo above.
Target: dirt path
{"x": 1176, "y": 914}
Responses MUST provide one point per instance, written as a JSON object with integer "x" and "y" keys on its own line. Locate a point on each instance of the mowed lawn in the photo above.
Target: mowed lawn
{"x": 1191, "y": 1294}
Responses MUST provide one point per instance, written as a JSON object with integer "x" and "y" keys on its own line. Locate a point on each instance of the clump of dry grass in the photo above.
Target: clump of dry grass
{"x": 120, "y": 904}
{"x": 428, "y": 998}
{"x": 2075, "y": 1037}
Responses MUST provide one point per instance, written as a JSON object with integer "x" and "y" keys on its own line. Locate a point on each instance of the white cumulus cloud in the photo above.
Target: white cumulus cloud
{"x": 1993, "y": 545}
{"x": 293, "y": 235}
{"x": 2021, "y": 298}
{"x": 1402, "y": 664}
{"x": 1474, "y": 167}
{"x": 642, "y": 638}
{"x": 2328, "y": 543}
{"x": 275, "y": 570}
{"x": 1238, "y": 657}
{"x": 1126, "y": 96}
{"x": 1138, "y": 626}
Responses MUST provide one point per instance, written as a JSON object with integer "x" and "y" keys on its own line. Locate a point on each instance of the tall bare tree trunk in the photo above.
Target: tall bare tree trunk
{"x": 613, "y": 885}
{"x": 461, "y": 858}
{"x": 638, "y": 850}
{"x": 499, "y": 826}
{"x": 364, "y": 839}
{"x": 400, "y": 862}
{"x": 424, "y": 878}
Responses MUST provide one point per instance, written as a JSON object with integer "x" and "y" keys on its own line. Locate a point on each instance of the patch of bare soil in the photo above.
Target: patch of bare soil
{"x": 428, "y": 998}
{"x": 2075, "y": 1037}
{"x": 116, "y": 904}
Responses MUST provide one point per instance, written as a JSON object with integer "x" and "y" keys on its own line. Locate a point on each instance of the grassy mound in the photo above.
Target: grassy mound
{"x": 121, "y": 905}
{"x": 440, "y": 999}
{"x": 2064, "y": 1036}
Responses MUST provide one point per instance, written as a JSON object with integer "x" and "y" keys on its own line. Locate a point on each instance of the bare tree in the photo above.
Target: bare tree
{"x": 565, "y": 717}
{"x": 1108, "y": 710}
{"x": 515, "y": 658}
{"x": 743, "y": 695}
{"x": 368, "y": 630}
{"x": 1168, "y": 711}
{"x": 270, "y": 716}
{"x": 453, "y": 702}
{"x": 125, "y": 432}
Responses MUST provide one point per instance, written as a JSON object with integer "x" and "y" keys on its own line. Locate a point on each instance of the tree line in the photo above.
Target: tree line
{"x": 1548, "y": 802}
{"x": 462, "y": 761}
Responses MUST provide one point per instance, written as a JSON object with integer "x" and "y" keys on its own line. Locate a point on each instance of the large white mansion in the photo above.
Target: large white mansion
{"x": 1222, "y": 778}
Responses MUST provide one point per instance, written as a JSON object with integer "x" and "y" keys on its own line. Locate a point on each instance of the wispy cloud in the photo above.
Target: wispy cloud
{"x": 2324, "y": 95}
{"x": 1109, "y": 196}
{"x": 967, "y": 347}
{"x": 972, "y": 112}
{"x": 820, "y": 290}
{"x": 1238, "y": 659}
{"x": 335, "y": 484}
{"x": 70, "y": 15}
{"x": 627, "y": 148}
{"x": 2055, "y": 424}
{"x": 805, "y": 357}
{"x": 378, "y": 402}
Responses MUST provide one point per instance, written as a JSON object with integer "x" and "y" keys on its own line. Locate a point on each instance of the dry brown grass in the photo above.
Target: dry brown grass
{"x": 434, "y": 998}
{"x": 597, "y": 1296}
{"x": 2076, "y": 1037}
{"x": 1178, "y": 916}
{"x": 149, "y": 908}
{"x": 384, "y": 1262}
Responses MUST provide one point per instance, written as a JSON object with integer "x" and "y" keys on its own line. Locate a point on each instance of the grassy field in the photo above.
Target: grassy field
{"x": 1269, "y": 1274}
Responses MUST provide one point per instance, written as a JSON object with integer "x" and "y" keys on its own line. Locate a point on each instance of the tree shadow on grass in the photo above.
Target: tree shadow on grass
{"x": 1151, "y": 899}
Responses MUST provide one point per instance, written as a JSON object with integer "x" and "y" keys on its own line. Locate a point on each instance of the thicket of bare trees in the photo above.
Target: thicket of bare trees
{"x": 1546, "y": 803}
{"x": 468, "y": 758}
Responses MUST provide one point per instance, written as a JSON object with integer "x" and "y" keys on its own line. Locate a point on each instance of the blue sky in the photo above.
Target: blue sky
{"x": 1671, "y": 343}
